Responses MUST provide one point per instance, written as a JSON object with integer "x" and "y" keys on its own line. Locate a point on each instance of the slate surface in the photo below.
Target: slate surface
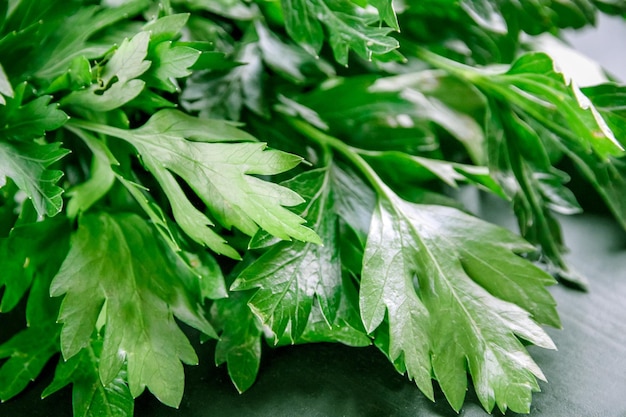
{"x": 587, "y": 376}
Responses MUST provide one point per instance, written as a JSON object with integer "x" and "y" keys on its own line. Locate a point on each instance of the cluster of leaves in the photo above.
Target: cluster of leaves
{"x": 144, "y": 151}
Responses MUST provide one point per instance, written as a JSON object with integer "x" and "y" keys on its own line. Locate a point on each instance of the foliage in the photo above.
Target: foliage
{"x": 288, "y": 171}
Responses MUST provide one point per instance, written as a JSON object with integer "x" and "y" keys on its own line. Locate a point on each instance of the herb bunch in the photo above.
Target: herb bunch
{"x": 288, "y": 172}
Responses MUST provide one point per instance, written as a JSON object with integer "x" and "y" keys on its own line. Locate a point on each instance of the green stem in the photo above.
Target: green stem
{"x": 456, "y": 68}
{"x": 347, "y": 151}
{"x": 98, "y": 128}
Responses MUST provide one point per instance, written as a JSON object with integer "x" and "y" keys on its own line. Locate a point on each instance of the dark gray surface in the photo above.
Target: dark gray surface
{"x": 587, "y": 376}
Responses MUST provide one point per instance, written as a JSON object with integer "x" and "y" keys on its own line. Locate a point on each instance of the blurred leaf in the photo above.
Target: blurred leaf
{"x": 28, "y": 353}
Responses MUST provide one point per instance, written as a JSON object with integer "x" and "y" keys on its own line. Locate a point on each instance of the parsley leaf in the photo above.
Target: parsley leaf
{"x": 291, "y": 274}
{"x": 609, "y": 177}
{"x": 456, "y": 295}
{"x": 26, "y": 164}
{"x": 117, "y": 83}
{"x": 71, "y": 36}
{"x": 225, "y": 95}
{"x": 452, "y": 283}
{"x": 169, "y": 60}
{"x": 28, "y": 353}
{"x": 36, "y": 251}
{"x": 20, "y": 120}
{"x": 139, "y": 291}
{"x": 521, "y": 164}
{"x": 348, "y": 30}
{"x": 239, "y": 344}
{"x": 91, "y": 397}
{"x": 171, "y": 143}
{"x": 531, "y": 16}
{"x": 534, "y": 86}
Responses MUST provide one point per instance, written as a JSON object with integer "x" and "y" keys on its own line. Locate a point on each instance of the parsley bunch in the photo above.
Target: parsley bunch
{"x": 288, "y": 171}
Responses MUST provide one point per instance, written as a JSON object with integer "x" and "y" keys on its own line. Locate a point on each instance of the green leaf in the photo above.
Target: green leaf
{"x": 354, "y": 200}
{"x": 139, "y": 289}
{"x": 610, "y": 100}
{"x": 387, "y": 285}
{"x": 401, "y": 112}
{"x": 235, "y": 9}
{"x": 169, "y": 62}
{"x": 531, "y": 16}
{"x": 439, "y": 99}
{"x": 302, "y": 26}
{"x": 348, "y": 28}
{"x": 219, "y": 162}
{"x": 535, "y": 86}
{"x": 520, "y": 163}
{"x": 212, "y": 284}
{"x": 485, "y": 13}
{"x": 86, "y": 194}
{"x": 166, "y": 28}
{"x": 90, "y": 398}
{"x": 457, "y": 298}
{"x": 239, "y": 345}
{"x": 30, "y": 120}
{"x": 26, "y": 164}
{"x": 348, "y": 31}
{"x": 30, "y": 250}
{"x": 608, "y": 177}
{"x": 347, "y": 327}
{"x": 291, "y": 275}
{"x": 405, "y": 168}
{"x": 615, "y": 7}
{"x": 28, "y": 352}
{"x": 77, "y": 76}
{"x": 16, "y": 277}
{"x": 224, "y": 96}
{"x": 386, "y": 12}
{"x": 213, "y": 60}
{"x": 541, "y": 16}
{"x": 38, "y": 248}
{"x": 288, "y": 60}
{"x": 71, "y": 36}
{"x": 117, "y": 82}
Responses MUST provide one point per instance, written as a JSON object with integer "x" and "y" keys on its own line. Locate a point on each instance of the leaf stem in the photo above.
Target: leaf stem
{"x": 98, "y": 128}
{"x": 456, "y": 68}
{"x": 344, "y": 149}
